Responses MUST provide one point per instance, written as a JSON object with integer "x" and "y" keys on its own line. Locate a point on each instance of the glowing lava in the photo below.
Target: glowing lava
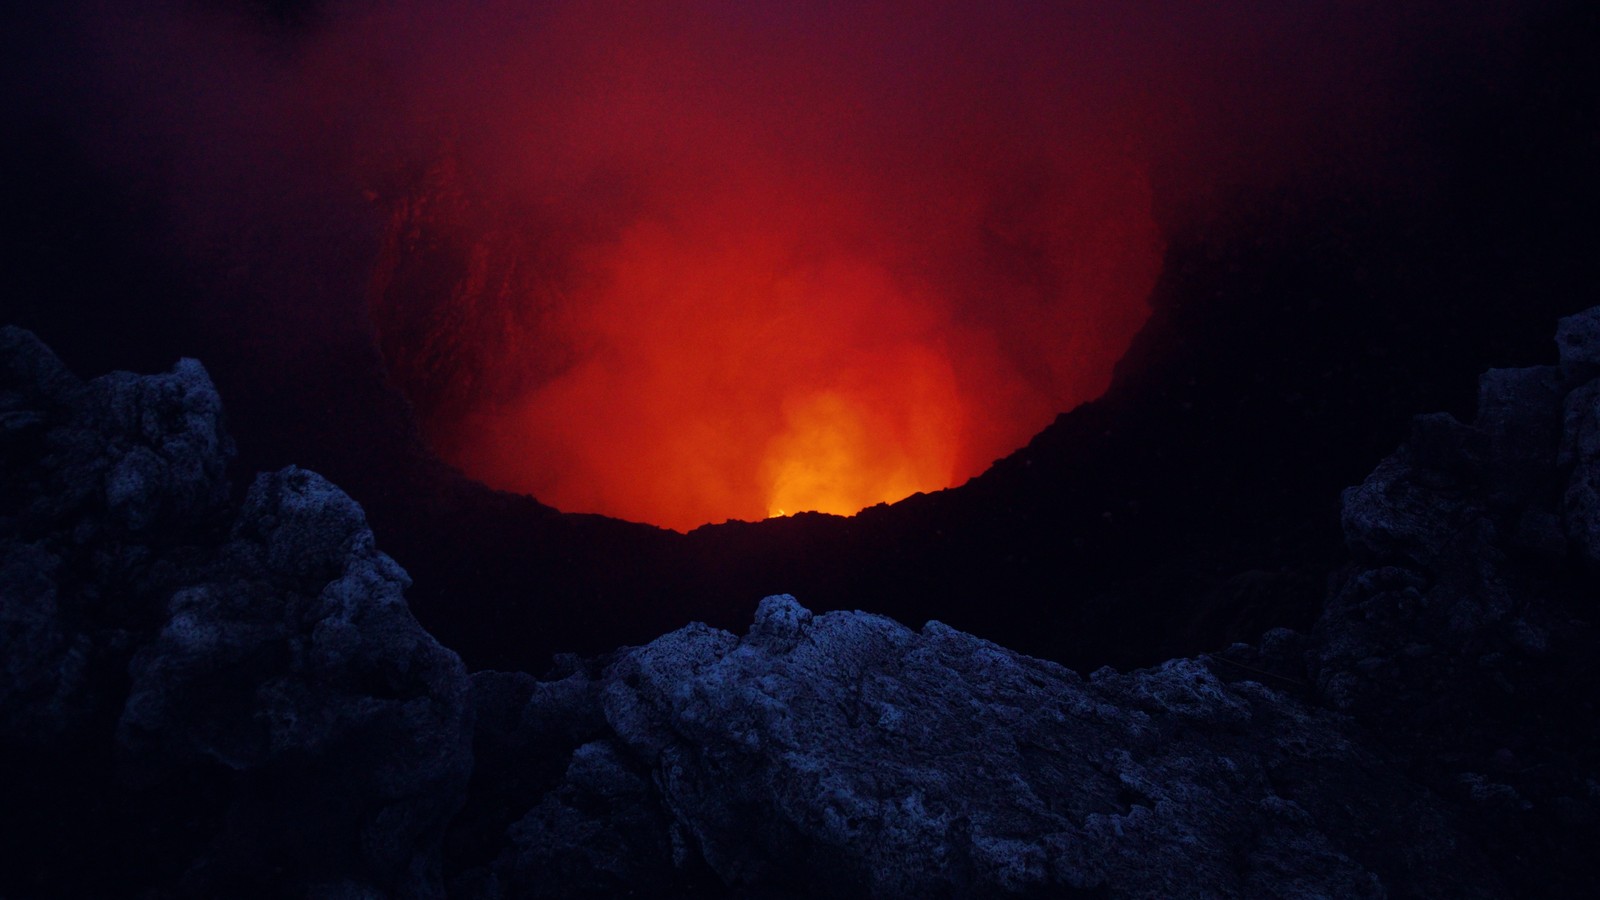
{"x": 714, "y": 271}
{"x": 680, "y": 262}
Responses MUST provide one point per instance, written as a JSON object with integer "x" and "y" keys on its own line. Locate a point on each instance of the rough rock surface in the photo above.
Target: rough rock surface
{"x": 210, "y": 697}
{"x": 203, "y": 698}
{"x": 1434, "y": 735}
{"x": 847, "y": 755}
{"x": 1463, "y": 634}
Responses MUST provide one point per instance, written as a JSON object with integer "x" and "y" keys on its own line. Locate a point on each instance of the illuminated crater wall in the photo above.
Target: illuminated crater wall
{"x": 731, "y": 258}
{"x": 730, "y": 267}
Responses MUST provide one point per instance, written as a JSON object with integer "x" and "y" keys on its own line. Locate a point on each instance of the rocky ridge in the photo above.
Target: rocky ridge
{"x": 203, "y": 697}
{"x": 209, "y": 696}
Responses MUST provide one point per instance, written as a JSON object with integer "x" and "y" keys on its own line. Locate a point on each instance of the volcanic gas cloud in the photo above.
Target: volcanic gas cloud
{"x": 735, "y": 264}
{"x": 695, "y": 261}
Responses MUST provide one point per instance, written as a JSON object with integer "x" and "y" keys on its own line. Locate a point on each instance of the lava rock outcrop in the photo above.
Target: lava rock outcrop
{"x": 847, "y": 755}
{"x": 205, "y": 696}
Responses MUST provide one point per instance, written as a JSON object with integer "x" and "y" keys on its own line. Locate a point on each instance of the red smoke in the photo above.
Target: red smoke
{"x": 718, "y": 266}
{"x": 686, "y": 262}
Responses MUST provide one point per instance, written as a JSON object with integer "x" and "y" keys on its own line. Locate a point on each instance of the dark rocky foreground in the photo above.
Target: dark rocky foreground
{"x": 205, "y": 696}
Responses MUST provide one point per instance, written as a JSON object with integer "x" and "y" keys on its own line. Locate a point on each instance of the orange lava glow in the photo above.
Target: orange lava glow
{"x": 713, "y": 271}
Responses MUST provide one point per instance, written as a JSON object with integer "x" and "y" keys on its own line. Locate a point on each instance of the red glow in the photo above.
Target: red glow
{"x": 680, "y": 262}
{"x": 709, "y": 269}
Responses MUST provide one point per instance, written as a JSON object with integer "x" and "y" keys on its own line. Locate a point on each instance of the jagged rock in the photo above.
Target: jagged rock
{"x": 1578, "y": 342}
{"x": 603, "y": 832}
{"x": 104, "y": 485}
{"x": 1437, "y": 637}
{"x": 1519, "y": 412}
{"x": 237, "y": 696}
{"x": 846, "y": 755}
{"x": 527, "y": 731}
{"x": 1580, "y": 450}
{"x": 211, "y": 698}
{"x": 303, "y": 671}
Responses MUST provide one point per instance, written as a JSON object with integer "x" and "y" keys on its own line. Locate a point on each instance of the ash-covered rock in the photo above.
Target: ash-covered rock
{"x": 202, "y": 698}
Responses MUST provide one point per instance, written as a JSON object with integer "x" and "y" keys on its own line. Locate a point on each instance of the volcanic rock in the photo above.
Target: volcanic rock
{"x": 848, "y": 755}
{"x": 205, "y": 696}
{"x": 202, "y": 697}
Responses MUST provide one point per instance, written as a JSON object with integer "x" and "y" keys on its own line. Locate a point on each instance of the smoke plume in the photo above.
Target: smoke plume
{"x": 687, "y": 262}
